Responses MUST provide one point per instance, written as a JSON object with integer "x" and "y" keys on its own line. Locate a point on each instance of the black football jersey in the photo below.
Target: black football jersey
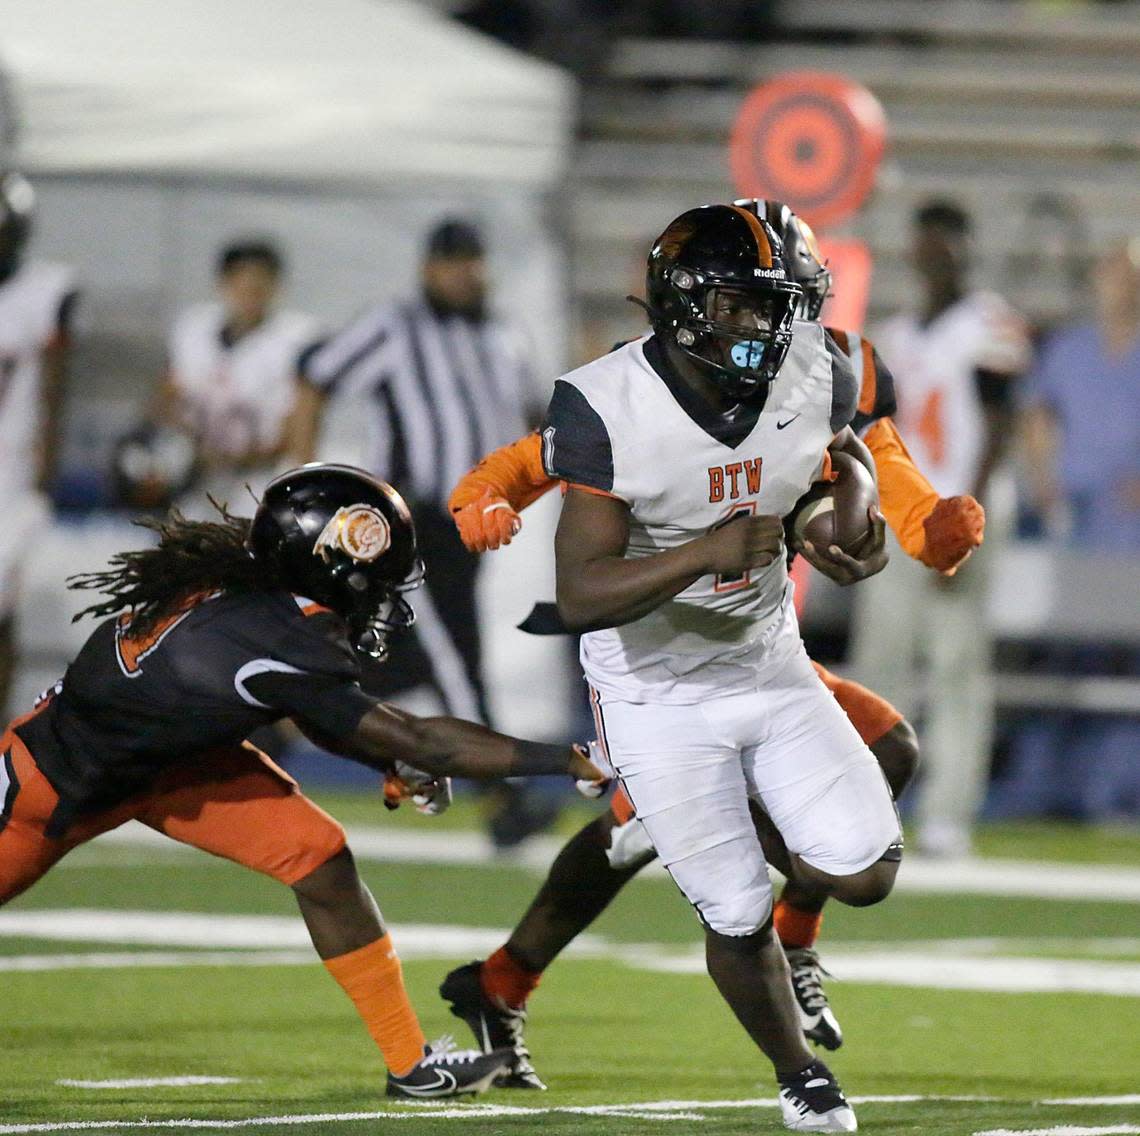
{"x": 130, "y": 707}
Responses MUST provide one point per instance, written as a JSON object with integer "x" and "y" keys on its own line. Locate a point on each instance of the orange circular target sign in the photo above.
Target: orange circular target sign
{"x": 811, "y": 139}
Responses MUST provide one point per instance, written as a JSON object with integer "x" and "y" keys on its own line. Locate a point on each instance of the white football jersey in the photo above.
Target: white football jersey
{"x": 237, "y": 397}
{"x": 934, "y": 365}
{"x": 626, "y": 426}
{"x": 30, "y": 303}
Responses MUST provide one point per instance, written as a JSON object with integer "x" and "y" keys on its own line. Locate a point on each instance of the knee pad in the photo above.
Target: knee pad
{"x": 736, "y": 912}
{"x": 742, "y": 917}
{"x": 629, "y": 845}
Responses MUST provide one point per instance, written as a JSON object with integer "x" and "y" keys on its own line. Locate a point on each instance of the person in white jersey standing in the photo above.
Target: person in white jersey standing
{"x": 682, "y": 453}
{"x": 955, "y": 359}
{"x": 234, "y": 366}
{"x": 37, "y": 305}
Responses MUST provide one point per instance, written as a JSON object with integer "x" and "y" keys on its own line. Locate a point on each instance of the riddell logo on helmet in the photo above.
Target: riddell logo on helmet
{"x": 769, "y": 273}
{"x": 358, "y": 530}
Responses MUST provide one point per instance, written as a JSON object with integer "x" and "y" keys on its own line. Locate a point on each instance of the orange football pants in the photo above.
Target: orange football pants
{"x": 870, "y": 714}
{"x": 232, "y": 802}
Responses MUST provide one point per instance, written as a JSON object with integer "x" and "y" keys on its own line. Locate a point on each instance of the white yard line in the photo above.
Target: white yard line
{"x": 1064, "y": 1130}
{"x": 151, "y": 1082}
{"x": 144, "y": 960}
{"x": 664, "y": 1111}
{"x": 190, "y": 929}
{"x": 1031, "y": 878}
{"x": 1131, "y": 1098}
{"x": 269, "y": 940}
{"x": 905, "y": 967}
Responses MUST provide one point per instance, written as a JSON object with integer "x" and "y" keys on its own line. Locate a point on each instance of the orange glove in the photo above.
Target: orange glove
{"x": 486, "y": 523}
{"x": 954, "y": 528}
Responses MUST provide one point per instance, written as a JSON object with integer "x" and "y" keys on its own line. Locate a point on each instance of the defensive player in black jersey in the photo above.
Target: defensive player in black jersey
{"x": 223, "y": 627}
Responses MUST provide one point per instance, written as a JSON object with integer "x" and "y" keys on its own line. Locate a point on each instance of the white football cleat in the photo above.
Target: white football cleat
{"x": 812, "y": 1101}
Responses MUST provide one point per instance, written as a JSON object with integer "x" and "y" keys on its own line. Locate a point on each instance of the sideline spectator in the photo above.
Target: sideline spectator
{"x": 1082, "y": 452}
{"x": 1082, "y": 416}
{"x": 444, "y": 383}
{"x": 232, "y": 379}
{"x": 954, "y": 360}
{"x": 37, "y": 304}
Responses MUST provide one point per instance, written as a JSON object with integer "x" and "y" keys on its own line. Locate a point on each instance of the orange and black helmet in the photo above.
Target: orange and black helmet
{"x": 723, "y": 248}
{"x": 802, "y": 256}
{"x": 346, "y": 539}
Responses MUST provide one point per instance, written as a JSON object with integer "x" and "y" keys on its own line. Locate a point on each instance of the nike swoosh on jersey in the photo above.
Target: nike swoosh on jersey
{"x": 781, "y": 425}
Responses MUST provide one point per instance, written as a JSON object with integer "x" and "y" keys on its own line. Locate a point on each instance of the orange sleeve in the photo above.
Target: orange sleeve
{"x": 905, "y": 496}
{"x": 513, "y": 472}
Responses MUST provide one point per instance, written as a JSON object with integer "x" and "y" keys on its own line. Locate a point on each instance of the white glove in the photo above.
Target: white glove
{"x": 430, "y": 795}
{"x": 594, "y": 789}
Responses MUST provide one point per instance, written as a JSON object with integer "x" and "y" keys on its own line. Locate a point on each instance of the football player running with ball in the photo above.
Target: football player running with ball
{"x": 224, "y": 627}
{"x": 683, "y": 452}
{"x": 611, "y": 849}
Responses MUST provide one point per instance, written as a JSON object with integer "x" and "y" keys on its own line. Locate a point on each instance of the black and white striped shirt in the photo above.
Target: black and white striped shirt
{"x": 446, "y": 390}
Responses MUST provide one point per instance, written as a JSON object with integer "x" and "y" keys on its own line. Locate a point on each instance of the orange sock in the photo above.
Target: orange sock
{"x": 373, "y": 978}
{"x": 505, "y": 981}
{"x": 796, "y": 928}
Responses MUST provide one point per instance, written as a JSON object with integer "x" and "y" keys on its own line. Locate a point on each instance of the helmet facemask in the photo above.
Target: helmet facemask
{"x": 389, "y": 611}
{"x": 738, "y": 336}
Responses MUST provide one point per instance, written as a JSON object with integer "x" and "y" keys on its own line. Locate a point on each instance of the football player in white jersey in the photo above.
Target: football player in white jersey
{"x": 37, "y": 303}
{"x": 233, "y": 374}
{"x": 955, "y": 359}
{"x": 491, "y": 994}
{"x": 683, "y": 451}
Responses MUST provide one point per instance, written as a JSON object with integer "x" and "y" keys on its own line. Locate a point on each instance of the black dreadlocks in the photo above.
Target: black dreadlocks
{"x": 191, "y": 557}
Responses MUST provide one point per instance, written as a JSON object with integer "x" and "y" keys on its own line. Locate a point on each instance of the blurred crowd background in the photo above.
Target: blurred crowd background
{"x": 376, "y": 230}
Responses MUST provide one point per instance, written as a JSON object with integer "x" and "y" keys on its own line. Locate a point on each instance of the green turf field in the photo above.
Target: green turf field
{"x": 629, "y": 1033}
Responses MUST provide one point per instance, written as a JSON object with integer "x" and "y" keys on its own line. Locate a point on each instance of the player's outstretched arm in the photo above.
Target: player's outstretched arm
{"x": 597, "y": 587}
{"x": 486, "y": 502}
{"x": 449, "y": 747}
{"x": 941, "y": 532}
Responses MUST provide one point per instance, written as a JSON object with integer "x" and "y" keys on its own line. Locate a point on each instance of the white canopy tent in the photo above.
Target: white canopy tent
{"x": 154, "y": 132}
{"x": 352, "y": 90}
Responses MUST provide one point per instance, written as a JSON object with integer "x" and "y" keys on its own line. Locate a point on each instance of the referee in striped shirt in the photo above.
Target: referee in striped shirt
{"x": 444, "y": 384}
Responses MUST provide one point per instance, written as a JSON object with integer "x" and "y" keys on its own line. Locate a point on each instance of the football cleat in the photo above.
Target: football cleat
{"x": 497, "y": 1027}
{"x": 445, "y": 1071}
{"x": 812, "y": 1101}
{"x": 816, "y": 1017}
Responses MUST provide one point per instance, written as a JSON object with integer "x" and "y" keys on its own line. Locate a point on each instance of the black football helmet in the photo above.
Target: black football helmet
{"x": 708, "y": 255}
{"x": 802, "y": 255}
{"x": 17, "y": 202}
{"x": 345, "y": 539}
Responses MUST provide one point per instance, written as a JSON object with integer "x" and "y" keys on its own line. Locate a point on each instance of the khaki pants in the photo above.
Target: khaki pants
{"x": 922, "y": 640}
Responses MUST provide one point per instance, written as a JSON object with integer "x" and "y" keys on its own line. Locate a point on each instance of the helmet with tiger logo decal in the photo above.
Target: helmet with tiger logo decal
{"x": 345, "y": 539}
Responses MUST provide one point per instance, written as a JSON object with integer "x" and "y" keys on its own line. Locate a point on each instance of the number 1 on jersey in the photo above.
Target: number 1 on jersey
{"x": 728, "y": 583}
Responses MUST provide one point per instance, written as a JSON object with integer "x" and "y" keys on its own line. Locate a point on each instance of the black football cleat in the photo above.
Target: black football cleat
{"x": 816, "y": 1016}
{"x": 496, "y": 1027}
{"x": 445, "y": 1071}
{"x": 812, "y": 1101}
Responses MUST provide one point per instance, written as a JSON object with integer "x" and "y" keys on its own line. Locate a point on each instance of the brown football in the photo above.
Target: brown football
{"x": 835, "y": 512}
